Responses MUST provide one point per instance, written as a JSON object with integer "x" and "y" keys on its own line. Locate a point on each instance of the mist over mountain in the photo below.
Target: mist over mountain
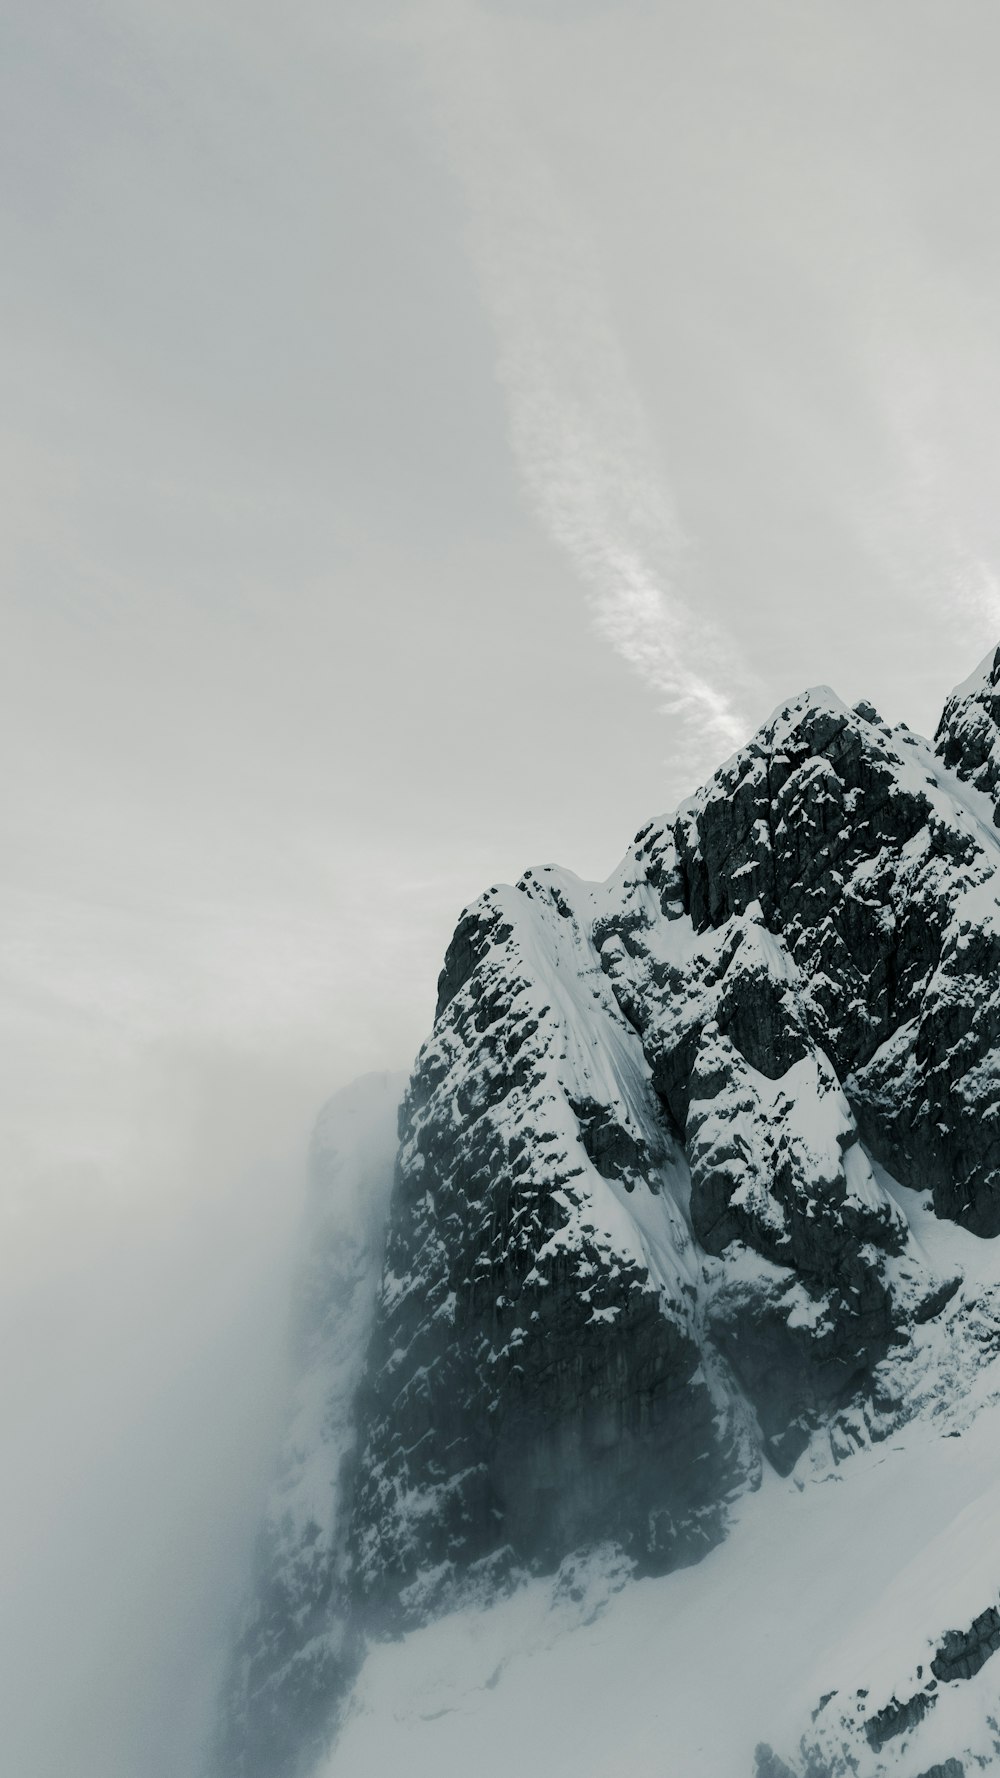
{"x": 436, "y": 436}
{"x": 647, "y": 1406}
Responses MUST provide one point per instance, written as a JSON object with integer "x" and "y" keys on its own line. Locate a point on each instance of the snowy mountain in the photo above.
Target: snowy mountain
{"x": 679, "y": 1365}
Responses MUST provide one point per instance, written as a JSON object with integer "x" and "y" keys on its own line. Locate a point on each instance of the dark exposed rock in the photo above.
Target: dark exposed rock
{"x": 613, "y": 1149}
{"x": 837, "y": 839}
{"x": 530, "y": 1388}
{"x": 963, "y": 1652}
{"x": 959, "y": 1657}
{"x": 896, "y": 1718}
{"x": 968, "y": 735}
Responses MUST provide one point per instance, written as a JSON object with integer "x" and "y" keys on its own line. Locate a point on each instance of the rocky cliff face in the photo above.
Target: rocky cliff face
{"x": 968, "y": 735}
{"x": 643, "y": 1238}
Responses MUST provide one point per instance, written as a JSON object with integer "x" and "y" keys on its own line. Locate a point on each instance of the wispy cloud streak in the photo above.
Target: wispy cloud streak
{"x": 580, "y": 437}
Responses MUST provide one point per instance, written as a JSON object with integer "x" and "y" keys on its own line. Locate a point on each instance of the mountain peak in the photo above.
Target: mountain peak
{"x": 667, "y": 1165}
{"x": 968, "y": 734}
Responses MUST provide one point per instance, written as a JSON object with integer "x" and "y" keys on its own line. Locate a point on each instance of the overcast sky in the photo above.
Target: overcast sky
{"x": 434, "y": 436}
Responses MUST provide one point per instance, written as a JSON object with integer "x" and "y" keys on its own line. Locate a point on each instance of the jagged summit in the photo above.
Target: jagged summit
{"x": 967, "y": 735}
{"x": 652, "y": 1235}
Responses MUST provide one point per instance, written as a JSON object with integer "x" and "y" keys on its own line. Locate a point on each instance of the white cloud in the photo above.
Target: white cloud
{"x": 580, "y": 436}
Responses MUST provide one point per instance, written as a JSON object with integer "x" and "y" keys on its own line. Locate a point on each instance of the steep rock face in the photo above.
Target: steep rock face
{"x": 537, "y": 1378}
{"x": 692, "y": 1062}
{"x": 874, "y": 872}
{"x": 968, "y": 735}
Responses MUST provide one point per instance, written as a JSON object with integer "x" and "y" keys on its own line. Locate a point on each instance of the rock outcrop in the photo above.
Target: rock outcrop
{"x": 968, "y": 735}
{"x": 864, "y": 1733}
